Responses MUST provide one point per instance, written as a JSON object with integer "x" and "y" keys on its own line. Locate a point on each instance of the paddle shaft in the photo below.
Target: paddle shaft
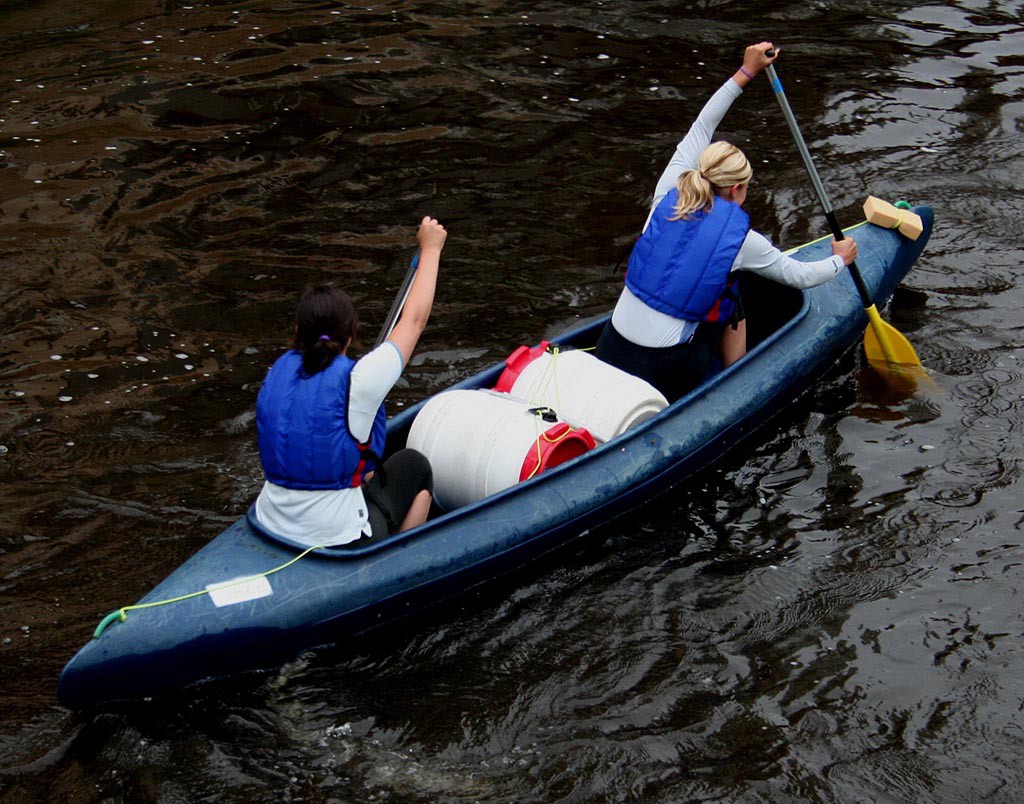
{"x": 399, "y": 303}
{"x": 819, "y": 188}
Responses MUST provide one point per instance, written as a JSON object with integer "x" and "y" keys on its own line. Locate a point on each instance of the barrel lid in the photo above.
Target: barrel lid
{"x": 559, "y": 443}
{"x": 516, "y": 363}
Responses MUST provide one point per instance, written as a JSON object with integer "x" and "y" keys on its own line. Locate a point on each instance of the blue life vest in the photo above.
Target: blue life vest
{"x": 302, "y": 425}
{"x": 681, "y": 268}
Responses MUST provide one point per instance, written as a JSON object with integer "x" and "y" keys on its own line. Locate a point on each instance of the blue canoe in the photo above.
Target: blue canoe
{"x": 331, "y": 594}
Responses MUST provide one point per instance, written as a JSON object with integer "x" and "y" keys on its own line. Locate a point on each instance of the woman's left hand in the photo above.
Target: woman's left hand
{"x": 755, "y": 57}
{"x": 845, "y": 248}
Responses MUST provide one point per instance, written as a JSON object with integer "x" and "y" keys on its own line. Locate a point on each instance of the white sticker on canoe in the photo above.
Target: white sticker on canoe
{"x": 239, "y": 590}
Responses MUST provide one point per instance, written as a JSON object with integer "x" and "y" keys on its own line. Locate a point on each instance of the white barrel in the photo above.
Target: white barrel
{"x": 588, "y": 392}
{"x": 479, "y": 442}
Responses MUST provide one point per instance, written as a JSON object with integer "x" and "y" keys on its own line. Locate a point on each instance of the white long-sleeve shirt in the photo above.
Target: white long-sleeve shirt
{"x": 645, "y": 326}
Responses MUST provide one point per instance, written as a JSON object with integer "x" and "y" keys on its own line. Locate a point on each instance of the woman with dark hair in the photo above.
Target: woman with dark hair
{"x": 321, "y": 422}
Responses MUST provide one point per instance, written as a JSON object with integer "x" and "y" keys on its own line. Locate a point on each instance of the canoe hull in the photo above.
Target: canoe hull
{"x": 327, "y": 596}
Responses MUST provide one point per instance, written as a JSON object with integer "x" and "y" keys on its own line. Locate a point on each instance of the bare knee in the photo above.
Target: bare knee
{"x": 418, "y": 511}
{"x": 734, "y": 343}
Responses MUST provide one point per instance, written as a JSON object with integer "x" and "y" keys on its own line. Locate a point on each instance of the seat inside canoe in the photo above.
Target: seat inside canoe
{"x": 768, "y": 306}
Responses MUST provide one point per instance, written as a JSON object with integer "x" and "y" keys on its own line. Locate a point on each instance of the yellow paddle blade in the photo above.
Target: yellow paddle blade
{"x": 894, "y": 359}
{"x": 883, "y": 343}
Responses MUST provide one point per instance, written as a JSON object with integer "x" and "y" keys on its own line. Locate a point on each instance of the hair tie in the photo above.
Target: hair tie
{"x": 325, "y": 337}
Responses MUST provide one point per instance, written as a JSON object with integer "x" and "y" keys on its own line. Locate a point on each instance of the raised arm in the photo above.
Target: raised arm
{"x": 407, "y": 331}
{"x": 703, "y": 129}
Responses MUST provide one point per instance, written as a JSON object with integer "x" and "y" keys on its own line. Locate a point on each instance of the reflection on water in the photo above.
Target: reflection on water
{"x": 829, "y": 615}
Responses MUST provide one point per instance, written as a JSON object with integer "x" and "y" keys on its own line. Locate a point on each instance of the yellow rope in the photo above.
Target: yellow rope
{"x": 540, "y": 384}
{"x": 540, "y": 456}
{"x": 536, "y": 397}
{"x": 122, "y": 613}
{"x": 554, "y": 371}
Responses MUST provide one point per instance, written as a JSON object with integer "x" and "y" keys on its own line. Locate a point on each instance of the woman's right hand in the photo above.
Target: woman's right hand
{"x": 431, "y": 235}
{"x": 845, "y": 248}
{"x": 755, "y": 57}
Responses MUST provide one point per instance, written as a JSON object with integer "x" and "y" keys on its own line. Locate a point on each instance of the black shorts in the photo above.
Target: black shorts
{"x": 673, "y": 370}
{"x": 390, "y": 492}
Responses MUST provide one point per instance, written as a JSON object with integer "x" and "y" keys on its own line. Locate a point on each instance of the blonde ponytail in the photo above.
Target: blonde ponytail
{"x": 720, "y": 166}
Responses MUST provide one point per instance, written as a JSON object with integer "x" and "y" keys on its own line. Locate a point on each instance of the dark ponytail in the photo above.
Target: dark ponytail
{"x": 325, "y": 321}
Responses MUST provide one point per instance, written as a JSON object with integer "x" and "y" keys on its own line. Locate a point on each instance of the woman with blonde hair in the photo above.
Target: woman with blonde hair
{"x": 680, "y": 306}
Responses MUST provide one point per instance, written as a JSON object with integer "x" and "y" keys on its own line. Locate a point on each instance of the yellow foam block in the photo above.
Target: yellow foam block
{"x": 882, "y": 213}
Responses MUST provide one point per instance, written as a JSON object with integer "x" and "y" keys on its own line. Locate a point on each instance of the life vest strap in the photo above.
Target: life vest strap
{"x": 368, "y": 454}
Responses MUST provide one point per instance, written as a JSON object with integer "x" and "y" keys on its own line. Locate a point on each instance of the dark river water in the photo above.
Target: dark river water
{"x": 833, "y": 613}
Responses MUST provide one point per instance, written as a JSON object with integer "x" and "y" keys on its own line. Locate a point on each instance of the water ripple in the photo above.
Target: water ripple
{"x": 829, "y": 614}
